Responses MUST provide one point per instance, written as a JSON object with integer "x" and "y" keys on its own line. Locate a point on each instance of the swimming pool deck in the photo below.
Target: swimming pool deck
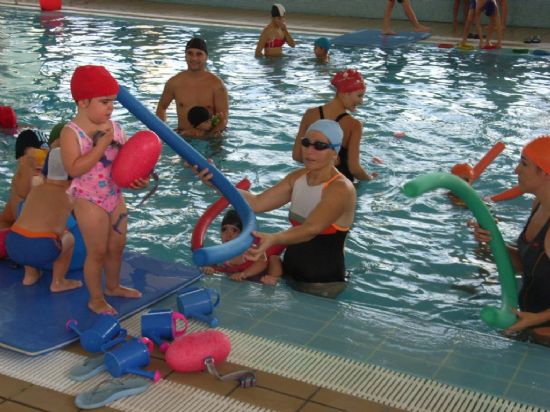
{"x": 273, "y": 392}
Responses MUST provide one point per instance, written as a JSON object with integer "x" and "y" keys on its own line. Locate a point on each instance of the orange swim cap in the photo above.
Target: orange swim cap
{"x": 464, "y": 171}
{"x": 538, "y": 151}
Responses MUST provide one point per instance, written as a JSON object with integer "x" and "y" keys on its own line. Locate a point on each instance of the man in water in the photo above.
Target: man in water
{"x": 195, "y": 86}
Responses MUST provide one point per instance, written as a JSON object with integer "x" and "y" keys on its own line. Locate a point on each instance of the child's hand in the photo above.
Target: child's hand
{"x": 103, "y": 137}
{"x": 204, "y": 175}
{"x": 207, "y": 270}
{"x": 139, "y": 183}
{"x": 239, "y": 276}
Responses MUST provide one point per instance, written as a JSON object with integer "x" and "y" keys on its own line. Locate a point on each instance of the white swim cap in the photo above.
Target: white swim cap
{"x": 56, "y": 171}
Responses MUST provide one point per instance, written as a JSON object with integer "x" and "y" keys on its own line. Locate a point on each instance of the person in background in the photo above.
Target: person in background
{"x": 474, "y": 14}
{"x": 409, "y": 12}
{"x": 39, "y": 236}
{"x": 31, "y": 148}
{"x": 195, "y": 86}
{"x": 202, "y": 122}
{"x": 350, "y": 90}
{"x": 322, "y": 208}
{"x": 267, "y": 269}
{"x": 456, "y": 7}
{"x": 321, "y": 49}
{"x": 531, "y": 255}
{"x": 89, "y": 144}
{"x": 274, "y": 35}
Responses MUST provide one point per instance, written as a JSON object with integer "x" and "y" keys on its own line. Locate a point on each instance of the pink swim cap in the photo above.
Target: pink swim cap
{"x": 92, "y": 81}
{"x": 348, "y": 81}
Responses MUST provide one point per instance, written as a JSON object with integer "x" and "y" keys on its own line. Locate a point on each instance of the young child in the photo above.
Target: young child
{"x": 89, "y": 144}
{"x": 38, "y": 236}
{"x": 267, "y": 270}
{"x": 202, "y": 121}
{"x": 474, "y": 14}
{"x": 409, "y": 12}
{"x": 321, "y": 48}
{"x": 30, "y": 151}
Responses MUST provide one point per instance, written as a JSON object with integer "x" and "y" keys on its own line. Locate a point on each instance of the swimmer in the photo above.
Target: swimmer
{"x": 274, "y": 35}
{"x": 195, "y": 86}
{"x": 531, "y": 255}
{"x": 321, "y": 49}
{"x": 322, "y": 208}
{"x": 267, "y": 269}
{"x": 350, "y": 90}
{"x": 202, "y": 121}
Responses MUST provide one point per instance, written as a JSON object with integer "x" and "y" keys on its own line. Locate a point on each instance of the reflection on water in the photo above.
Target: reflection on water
{"x": 414, "y": 257}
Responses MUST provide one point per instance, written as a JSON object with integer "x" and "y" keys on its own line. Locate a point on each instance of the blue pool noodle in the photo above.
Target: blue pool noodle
{"x": 213, "y": 254}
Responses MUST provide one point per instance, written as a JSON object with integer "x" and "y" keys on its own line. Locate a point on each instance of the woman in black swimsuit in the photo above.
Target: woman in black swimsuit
{"x": 531, "y": 256}
{"x": 350, "y": 89}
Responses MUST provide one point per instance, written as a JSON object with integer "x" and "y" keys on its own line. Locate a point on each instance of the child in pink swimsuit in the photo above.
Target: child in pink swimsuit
{"x": 89, "y": 144}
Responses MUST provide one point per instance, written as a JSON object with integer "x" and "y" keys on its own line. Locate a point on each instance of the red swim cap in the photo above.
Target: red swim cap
{"x": 348, "y": 81}
{"x": 92, "y": 81}
{"x": 464, "y": 171}
{"x": 538, "y": 151}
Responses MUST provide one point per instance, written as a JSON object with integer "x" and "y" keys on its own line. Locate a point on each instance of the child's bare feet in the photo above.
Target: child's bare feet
{"x": 32, "y": 275}
{"x": 422, "y": 29}
{"x": 65, "y": 284}
{"x": 123, "y": 292}
{"x": 101, "y": 306}
{"x": 388, "y": 32}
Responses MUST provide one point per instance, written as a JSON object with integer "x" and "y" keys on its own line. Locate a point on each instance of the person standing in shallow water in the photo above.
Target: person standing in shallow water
{"x": 274, "y": 35}
{"x": 350, "y": 90}
{"x": 322, "y": 209}
{"x": 531, "y": 255}
{"x": 409, "y": 12}
{"x": 195, "y": 86}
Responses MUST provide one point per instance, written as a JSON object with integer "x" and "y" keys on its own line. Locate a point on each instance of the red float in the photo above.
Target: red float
{"x": 50, "y": 5}
{"x": 8, "y": 119}
{"x": 137, "y": 158}
{"x": 199, "y": 232}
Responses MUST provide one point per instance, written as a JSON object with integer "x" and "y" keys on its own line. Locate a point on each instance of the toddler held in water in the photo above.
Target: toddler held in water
{"x": 267, "y": 270}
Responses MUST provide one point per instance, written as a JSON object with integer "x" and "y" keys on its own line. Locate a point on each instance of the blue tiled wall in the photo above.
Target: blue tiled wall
{"x": 521, "y": 13}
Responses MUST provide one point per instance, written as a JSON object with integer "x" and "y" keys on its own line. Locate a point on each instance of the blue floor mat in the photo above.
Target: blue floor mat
{"x": 32, "y": 319}
{"x": 375, "y": 38}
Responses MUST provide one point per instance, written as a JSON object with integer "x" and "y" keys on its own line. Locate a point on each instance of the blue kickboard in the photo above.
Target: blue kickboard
{"x": 32, "y": 319}
{"x": 375, "y": 38}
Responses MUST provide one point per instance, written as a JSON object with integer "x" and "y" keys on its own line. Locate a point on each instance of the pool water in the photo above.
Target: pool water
{"x": 414, "y": 258}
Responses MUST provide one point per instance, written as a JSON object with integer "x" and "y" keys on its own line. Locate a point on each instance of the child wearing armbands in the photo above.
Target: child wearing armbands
{"x": 267, "y": 270}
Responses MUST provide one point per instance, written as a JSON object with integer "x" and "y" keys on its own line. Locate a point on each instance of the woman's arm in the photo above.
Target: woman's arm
{"x": 307, "y": 119}
{"x": 337, "y": 199}
{"x": 288, "y": 37}
{"x": 261, "y": 43}
{"x": 274, "y": 197}
{"x": 354, "y": 152}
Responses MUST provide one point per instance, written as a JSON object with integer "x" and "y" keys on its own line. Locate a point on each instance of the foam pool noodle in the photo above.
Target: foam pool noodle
{"x": 502, "y": 317}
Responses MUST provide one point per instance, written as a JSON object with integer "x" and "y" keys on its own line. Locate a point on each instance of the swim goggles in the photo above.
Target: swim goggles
{"x": 317, "y": 145}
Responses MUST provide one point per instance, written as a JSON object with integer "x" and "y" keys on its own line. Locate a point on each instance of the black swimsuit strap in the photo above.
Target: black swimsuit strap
{"x": 321, "y": 114}
{"x": 341, "y": 116}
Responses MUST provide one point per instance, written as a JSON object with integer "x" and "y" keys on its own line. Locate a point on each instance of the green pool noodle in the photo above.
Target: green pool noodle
{"x": 502, "y": 317}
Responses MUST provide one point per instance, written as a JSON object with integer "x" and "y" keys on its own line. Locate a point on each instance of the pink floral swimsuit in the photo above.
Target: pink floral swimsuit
{"x": 97, "y": 185}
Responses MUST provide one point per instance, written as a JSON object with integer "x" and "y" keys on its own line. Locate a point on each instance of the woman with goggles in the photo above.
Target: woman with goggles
{"x": 322, "y": 205}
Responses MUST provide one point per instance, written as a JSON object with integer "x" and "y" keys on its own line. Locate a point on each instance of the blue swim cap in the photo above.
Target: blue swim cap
{"x": 323, "y": 43}
{"x": 330, "y": 129}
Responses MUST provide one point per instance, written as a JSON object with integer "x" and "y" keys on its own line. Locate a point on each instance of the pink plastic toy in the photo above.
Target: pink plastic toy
{"x": 399, "y": 134}
{"x": 188, "y": 352}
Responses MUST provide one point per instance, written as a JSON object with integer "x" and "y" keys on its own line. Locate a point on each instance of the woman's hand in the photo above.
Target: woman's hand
{"x": 204, "y": 175}
{"x": 257, "y": 250}
{"x": 480, "y": 234}
{"x": 525, "y": 320}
